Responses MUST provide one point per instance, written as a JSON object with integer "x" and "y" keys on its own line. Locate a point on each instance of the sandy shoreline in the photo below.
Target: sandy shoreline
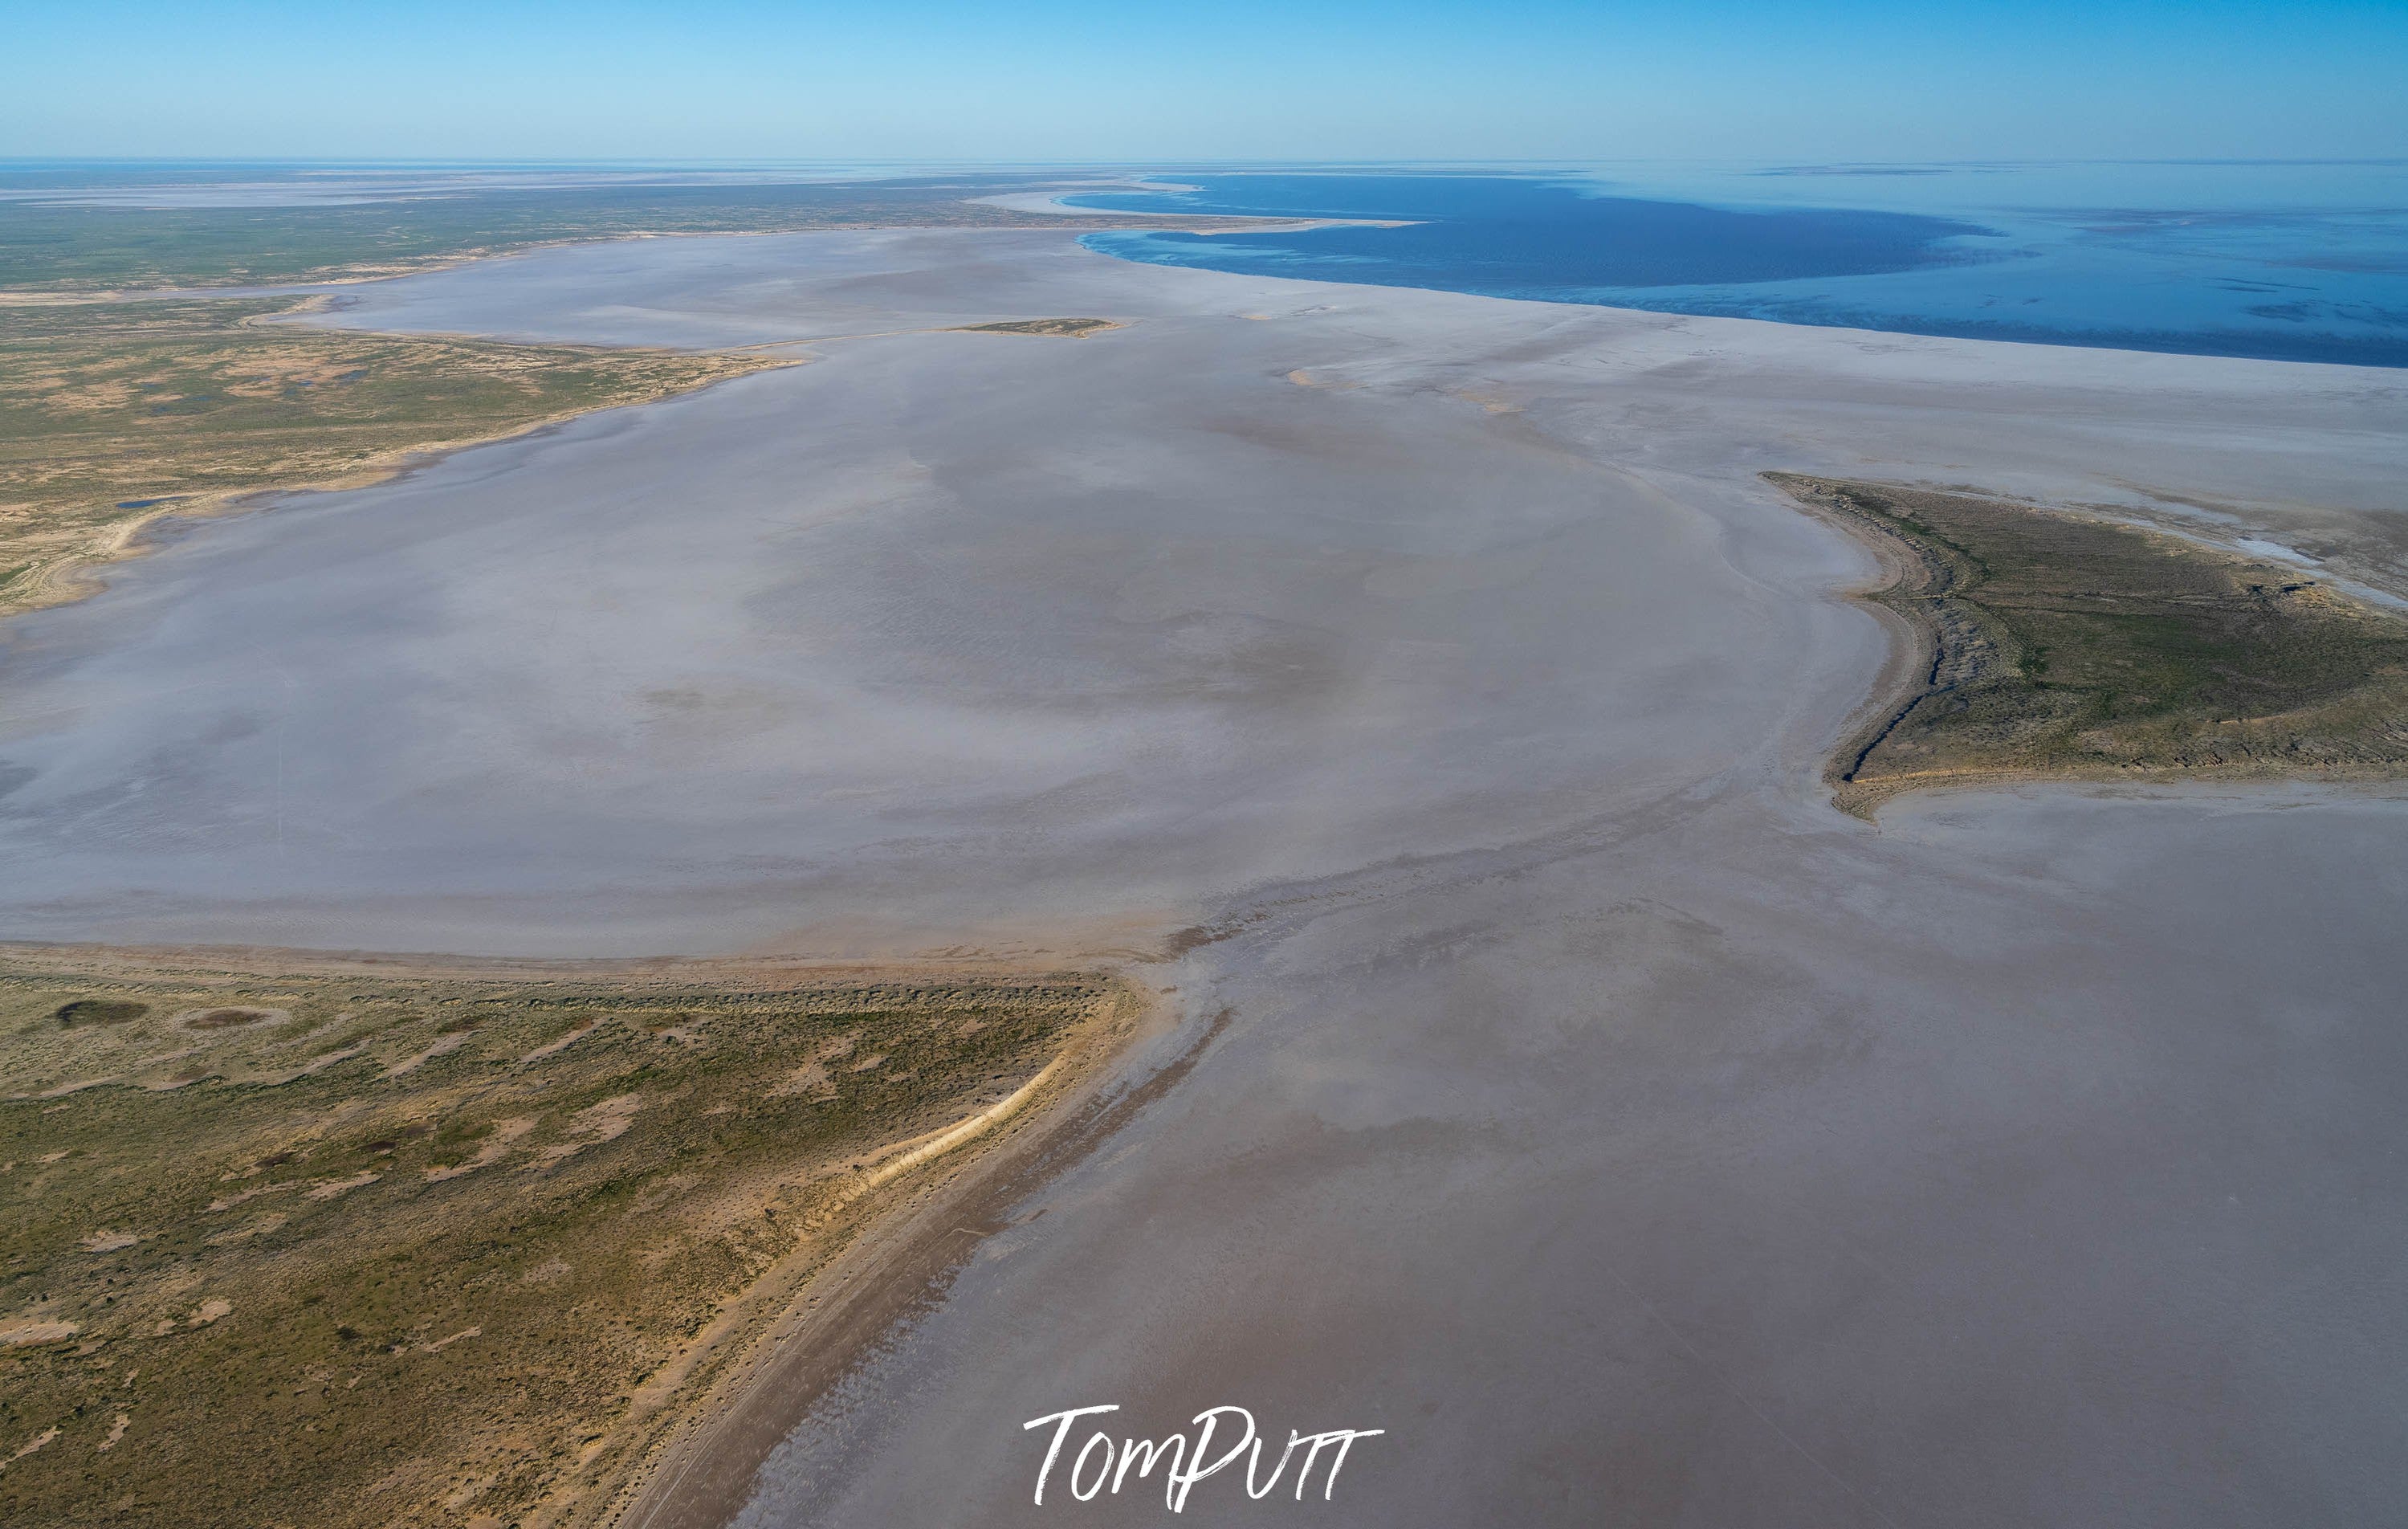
{"x": 841, "y": 1224}
{"x": 82, "y": 574}
{"x": 73, "y": 572}
{"x": 701, "y": 1473}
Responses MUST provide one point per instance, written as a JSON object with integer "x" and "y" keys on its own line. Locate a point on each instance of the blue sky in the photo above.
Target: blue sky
{"x": 1096, "y": 80}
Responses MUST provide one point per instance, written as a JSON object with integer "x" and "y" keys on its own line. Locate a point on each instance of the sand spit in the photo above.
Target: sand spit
{"x": 1598, "y": 1111}
{"x": 2042, "y": 644}
{"x": 816, "y": 1320}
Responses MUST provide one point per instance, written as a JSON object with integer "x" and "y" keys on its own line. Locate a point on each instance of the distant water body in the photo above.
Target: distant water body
{"x": 2284, "y": 262}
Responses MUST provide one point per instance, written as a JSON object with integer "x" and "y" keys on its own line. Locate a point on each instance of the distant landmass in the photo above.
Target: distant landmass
{"x": 2265, "y": 261}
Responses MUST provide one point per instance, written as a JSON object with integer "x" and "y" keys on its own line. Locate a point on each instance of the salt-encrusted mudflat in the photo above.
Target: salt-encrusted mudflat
{"x": 1625, "y": 1131}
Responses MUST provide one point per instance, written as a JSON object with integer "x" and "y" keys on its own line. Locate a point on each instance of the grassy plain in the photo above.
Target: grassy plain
{"x": 2059, "y": 644}
{"x": 372, "y": 1244}
{"x": 111, "y": 414}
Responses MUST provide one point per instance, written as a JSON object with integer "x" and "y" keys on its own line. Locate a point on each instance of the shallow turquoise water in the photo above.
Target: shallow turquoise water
{"x": 2288, "y": 262}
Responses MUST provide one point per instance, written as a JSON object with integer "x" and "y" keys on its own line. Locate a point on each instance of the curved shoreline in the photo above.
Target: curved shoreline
{"x": 74, "y": 573}
{"x": 832, "y": 1322}
{"x": 1904, "y": 598}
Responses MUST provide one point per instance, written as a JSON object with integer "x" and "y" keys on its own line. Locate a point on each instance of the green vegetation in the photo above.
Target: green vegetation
{"x": 1071, "y": 328}
{"x": 377, "y": 1247}
{"x": 2062, "y": 644}
{"x": 66, "y": 248}
{"x": 110, "y": 412}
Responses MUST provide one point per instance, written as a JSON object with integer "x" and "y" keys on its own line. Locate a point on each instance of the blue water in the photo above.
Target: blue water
{"x": 2287, "y": 262}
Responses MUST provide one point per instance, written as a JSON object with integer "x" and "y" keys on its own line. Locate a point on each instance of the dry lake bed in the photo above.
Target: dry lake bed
{"x": 1576, "y": 1096}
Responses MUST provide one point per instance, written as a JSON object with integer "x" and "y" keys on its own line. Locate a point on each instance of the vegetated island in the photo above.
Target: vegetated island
{"x": 362, "y": 1242}
{"x": 2048, "y": 644}
{"x": 1063, "y": 329}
